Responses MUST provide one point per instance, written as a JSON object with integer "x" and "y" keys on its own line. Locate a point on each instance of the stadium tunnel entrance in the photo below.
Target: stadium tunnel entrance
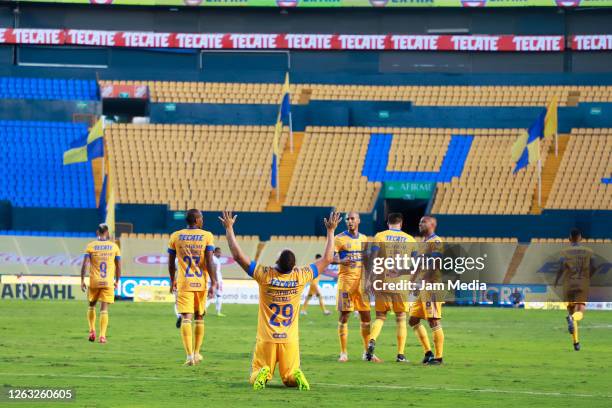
{"x": 411, "y": 210}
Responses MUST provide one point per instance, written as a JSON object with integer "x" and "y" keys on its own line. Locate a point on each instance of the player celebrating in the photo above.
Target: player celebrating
{"x": 577, "y": 268}
{"x": 104, "y": 260}
{"x": 314, "y": 290}
{"x": 389, "y": 243}
{"x": 351, "y": 294}
{"x": 426, "y": 306}
{"x": 280, "y": 289}
{"x": 219, "y": 290}
{"x": 193, "y": 248}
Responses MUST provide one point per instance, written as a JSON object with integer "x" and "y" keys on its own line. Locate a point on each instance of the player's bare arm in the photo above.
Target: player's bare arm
{"x": 331, "y": 224}
{"x": 212, "y": 272}
{"x": 117, "y": 272}
{"x": 172, "y": 271}
{"x": 84, "y": 266}
{"x": 228, "y": 220}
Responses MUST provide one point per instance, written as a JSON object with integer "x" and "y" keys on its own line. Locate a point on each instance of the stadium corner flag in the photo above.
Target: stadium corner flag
{"x": 106, "y": 204}
{"x": 526, "y": 149}
{"x": 551, "y": 121}
{"x": 285, "y": 102}
{"x": 283, "y": 117}
{"x": 278, "y": 129}
{"x": 84, "y": 149}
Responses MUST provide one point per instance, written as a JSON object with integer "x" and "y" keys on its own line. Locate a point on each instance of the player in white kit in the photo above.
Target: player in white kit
{"x": 219, "y": 291}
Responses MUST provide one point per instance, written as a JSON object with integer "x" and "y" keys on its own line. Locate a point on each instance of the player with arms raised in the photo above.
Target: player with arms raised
{"x": 388, "y": 244}
{"x": 104, "y": 260}
{"x": 426, "y": 306}
{"x": 280, "y": 290}
{"x": 577, "y": 269}
{"x": 193, "y": 248}
{"x": 351, "y": 294}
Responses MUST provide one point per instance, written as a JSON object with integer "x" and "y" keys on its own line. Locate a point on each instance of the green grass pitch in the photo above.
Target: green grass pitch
{"x": 494, "y": 357}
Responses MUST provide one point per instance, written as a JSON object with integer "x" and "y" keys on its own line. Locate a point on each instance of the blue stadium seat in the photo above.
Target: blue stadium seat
{"x": 43, "y": 88}
{"x": 34, "y": 153}
{"x": 62, "y": 234}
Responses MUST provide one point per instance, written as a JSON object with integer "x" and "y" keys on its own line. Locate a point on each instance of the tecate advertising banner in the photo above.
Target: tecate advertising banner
{"x": 259, "y": 41}
{"x": 343, "y": 3}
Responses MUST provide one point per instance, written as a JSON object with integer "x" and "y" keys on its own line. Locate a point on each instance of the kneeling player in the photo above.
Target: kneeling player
{"x": 280, "y": 290}
{"x": 104, "y": 261}
{"x": 577, "y": 268}
{"x": 193, "y": 248}
{"x": 388, "y": 244}
{"x": 426, "y": 306}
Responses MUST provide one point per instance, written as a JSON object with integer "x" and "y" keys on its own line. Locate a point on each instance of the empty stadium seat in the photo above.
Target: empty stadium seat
{"x": 61, "y": 234}
{"x": 328, "y": 170}
{"x": 426, "y": 95}
{"x": 32, "y": 173}
{"x": 47, "y": 88}
{"x": 184, "y": 166}
{"x": 578, "y": 183}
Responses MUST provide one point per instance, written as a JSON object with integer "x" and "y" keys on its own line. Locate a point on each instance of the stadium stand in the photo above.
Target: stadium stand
{"x": 587, "y": 160}
{"x": 59, "y": 234}
{"x": 487, "y": 185}
{"x": 304, "y": 247}
{"x": 565, "y": 241}
{"x": 473, "y": 181}
{"x": 158, "y": 164}
{"x": 47, "y": 88}
{"x": 447, "y": 95}
{"x": 31, "y": 171}
{"x": 496, "y": 240}
{"x": 328, "y": 170}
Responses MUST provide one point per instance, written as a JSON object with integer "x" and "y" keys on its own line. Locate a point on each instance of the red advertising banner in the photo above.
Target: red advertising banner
{"x": 125, "y": 91}
{"x": 235, "y": 41}
{"x": 592, "y": 42}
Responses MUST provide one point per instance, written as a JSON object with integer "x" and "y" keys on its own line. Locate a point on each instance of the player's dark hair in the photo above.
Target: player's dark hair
{"x": 318, "y": 256}
{"x": 192, "y": 216}
{"x": 217, "y": 248}
{"x": 395, "y": 218}
{"x": 286, "y": 261}
{"x": 102, "y": 229}
{"x": 575, "y": 234}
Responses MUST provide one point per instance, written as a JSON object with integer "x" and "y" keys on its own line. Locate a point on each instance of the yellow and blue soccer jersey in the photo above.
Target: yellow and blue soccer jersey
{"x": 102, "y": 255}
{"x": 351, "y": 247}
{"x": 433, "y": 248}
{"x": 279, "y": 301}
{"x": 576, "y": 264}
{"x": 190, "y": 246}
{"x": 394, "y": 242}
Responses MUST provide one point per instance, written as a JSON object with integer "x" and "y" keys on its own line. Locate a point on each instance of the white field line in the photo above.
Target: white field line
{"x": 371, "y": 386}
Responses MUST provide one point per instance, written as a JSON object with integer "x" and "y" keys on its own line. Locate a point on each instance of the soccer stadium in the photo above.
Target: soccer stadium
{"x": 306, "y": 202}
